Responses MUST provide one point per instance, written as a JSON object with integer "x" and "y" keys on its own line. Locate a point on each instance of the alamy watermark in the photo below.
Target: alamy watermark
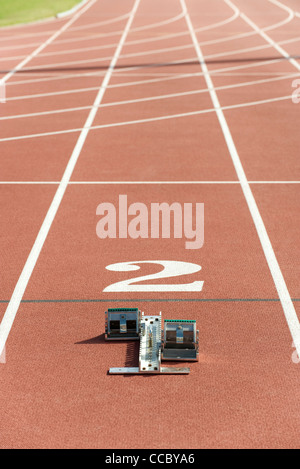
{"x": 159, "y": 220}
{"x": 296, "y": 93}
{"x": 2, "y": 92}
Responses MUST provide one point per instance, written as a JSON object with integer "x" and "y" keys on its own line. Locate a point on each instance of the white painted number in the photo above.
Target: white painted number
{"x": 170, "y": 269}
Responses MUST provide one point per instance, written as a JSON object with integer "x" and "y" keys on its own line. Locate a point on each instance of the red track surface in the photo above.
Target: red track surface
{"x": 55, "y": 391}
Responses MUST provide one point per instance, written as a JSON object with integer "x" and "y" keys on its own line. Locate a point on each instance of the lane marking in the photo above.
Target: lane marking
{"x": 55, "y": 21}
{"x": 101, "y": 183}
{"x": 76, "y": 28}
{"x": 145, "y": 121}
{"x": 165, "y": 76}
{"x": 265, "y": 36}
{"x": 279, "y": 281}
{"x": 169, "y": 36}
{"x": 13, "y": 306}
{"x": 155, "y": 51}
{"x": 142, "y": 82}
{"x": 100, "y": 23}
{"x": 122, "y": 71}
{"x": 190, "y": 61}
{"x": 21, "y": 65}
{"x": 140, "y": 41}
{"x": 157, "y": 300}
{"x": 149, "y": 99}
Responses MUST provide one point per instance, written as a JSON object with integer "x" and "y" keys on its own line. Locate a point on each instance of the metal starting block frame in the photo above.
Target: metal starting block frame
{"x": 122, "y": 324}
{"x": 150, "y": 353}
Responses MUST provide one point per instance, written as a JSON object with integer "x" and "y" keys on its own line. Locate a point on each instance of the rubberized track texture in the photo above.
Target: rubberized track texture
{"x": 185, "y": 101}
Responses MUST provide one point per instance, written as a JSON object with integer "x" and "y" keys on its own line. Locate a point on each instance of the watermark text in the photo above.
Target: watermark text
{"x": 2, "y": 92}
{"x": 159, "y": 220}
{"x": 296, "y": 93}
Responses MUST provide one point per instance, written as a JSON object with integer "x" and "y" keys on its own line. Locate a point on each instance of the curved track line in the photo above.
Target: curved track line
{"x": 76, "y": 28}
{"x": 121, "y": 72}
{"x": 14, "y": 303}
{"x": 24, "y": 36}
{"x": 192, "y": 59}
{"x": 156, "y": 51}
{"x": 125, "y": 56}
{"x": 278, "y": 278}
{"x": 251, "y": 49}
{"x": 145, "y": 121}
{"x": 79, "y": 75}
{"x": 140, "y": 41}
{"x": 49, "y": 41}
{"x": 267, "y": 38}
{"x": 56, "y": 20}
{"x": 115, "y": 33}
{"x": 110, "y": 46}
{"x": 101, "y": 23}
{"x": 184, "y": 33}
{"x": 109, "y": 183}
{"x": 135, "y": 101}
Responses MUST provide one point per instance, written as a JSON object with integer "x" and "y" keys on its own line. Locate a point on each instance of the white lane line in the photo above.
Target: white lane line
{"x": 27, "y": 35}
{"x": 115, "y": 33}
{"x": 279, "y": 281}
{"x": 149, "y": 120}
{"x": 267, "y": 38}
{"x": 22, "y": 64}
{"x": 191, "y": 60}
{"x": 78, "y": 75}
{"x": 101, "y": 59}
{"x": 169, "y": 36}
{"x": 146, "y": 27}
{"x": 117, "y": 183}
{"x": 129, "y": 43}
{"x": 103, "y": 35}
{"x": 54, "y": 22}
{"x": 100, "y": 23}
{"x": 110, "y": 46}
{"x": 216, "y": 25}
{"x": 13, "y": 306}
{"x": 76, "y": 28}
{"x": 56, "y": 93}
{"x": 29, "y": 183}
{"x": 150, "y": 98}
{"x": 155, "y": 51}
{"x": 176, "y": 182}
{"x": 185, "y": 62}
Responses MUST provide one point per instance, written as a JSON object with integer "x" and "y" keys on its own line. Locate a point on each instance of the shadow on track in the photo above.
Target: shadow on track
{"x": 149, "y": 65}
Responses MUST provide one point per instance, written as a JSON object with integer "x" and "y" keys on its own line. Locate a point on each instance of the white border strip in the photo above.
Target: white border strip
{"x": 72, "y": 10}
{"x": 13, "y": 306}
{"x": 284, "y": 295}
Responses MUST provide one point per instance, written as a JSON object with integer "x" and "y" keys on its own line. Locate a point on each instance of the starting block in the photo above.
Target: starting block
{"x": 178, "y": 341}
{"x": 122, "y": 324}
{"x": 181, "y": 340}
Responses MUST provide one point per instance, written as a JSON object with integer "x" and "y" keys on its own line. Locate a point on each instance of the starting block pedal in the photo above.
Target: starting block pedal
{"x": 180, "y": 340}
{"x": 122, "y": 324}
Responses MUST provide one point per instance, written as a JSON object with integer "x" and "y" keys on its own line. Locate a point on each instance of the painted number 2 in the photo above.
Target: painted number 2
{"x": 170, "y": 269}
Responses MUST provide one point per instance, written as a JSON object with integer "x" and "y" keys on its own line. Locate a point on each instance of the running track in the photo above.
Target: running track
{"x": 173, "y": 100}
